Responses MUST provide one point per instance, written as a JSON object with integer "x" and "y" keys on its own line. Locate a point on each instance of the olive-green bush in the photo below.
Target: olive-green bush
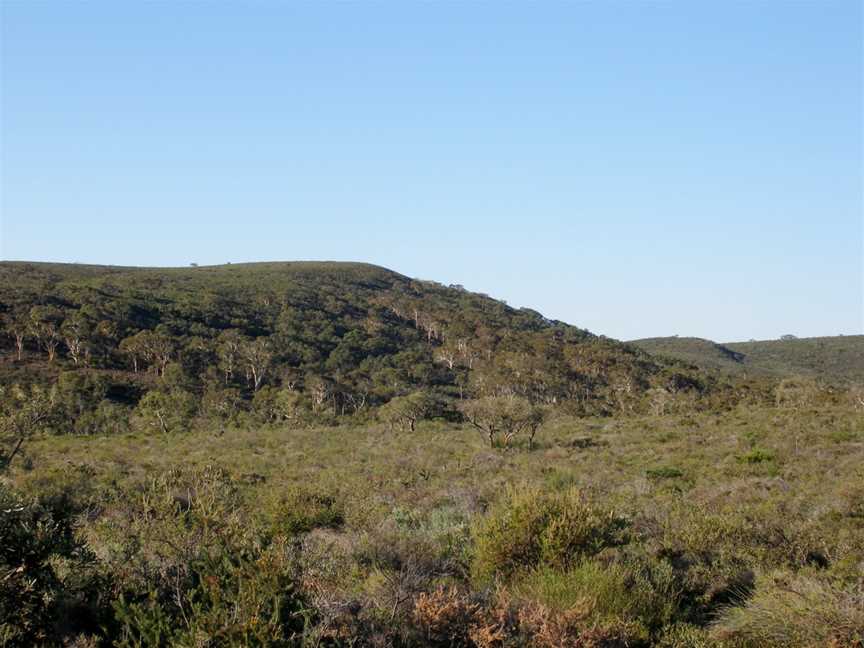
{"x": 530, "y": 528}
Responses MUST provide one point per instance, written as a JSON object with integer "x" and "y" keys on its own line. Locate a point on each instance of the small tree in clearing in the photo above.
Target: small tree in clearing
{"x": 507, "y": 416}
{"x": 405, "y": 411}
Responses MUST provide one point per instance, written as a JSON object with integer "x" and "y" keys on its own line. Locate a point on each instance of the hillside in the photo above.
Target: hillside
{"x": 304, "y": 340}
{"x": 839, "y": 358}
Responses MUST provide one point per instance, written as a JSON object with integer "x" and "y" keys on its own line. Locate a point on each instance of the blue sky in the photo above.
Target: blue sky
{"x": 635, "y": 168}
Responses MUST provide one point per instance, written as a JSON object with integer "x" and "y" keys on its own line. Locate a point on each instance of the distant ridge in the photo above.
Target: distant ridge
{"x": 839, "y": 358}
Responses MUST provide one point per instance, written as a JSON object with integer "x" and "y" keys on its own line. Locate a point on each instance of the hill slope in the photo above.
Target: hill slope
{"x": 340, "y": 337}
{"x": 839, "y": 358}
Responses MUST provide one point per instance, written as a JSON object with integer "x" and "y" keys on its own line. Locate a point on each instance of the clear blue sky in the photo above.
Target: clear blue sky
{"x": 685, "y": 167}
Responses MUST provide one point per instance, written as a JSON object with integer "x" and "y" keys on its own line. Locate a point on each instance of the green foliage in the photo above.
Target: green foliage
{"x": 334, "y": 535}
{"x": 338, "y": 339}
{"x": 249, "y": 599}
{"x": 646, "y": 594}
{"x": 283, "y": 406}
{"x": 838, "y": 359}
{"x": 321, "y": 534}
{"x": 502, "y": 418}
{"x": 188, "y": 567}
{"x": 531, "y": 528}
{"x": 796, "y": 612}
{"x": 23, "y": 412}
{"x": 298, "y": 511}
{"x": 46, "y": 572}
{"x": 663, "y": 472}
{"x": 167, "y": 411}
{"x": 757, "y": 456}
{"x": 797, "y": 392}
{"x": 405, "y": 411}
{"x": 221, "y": 404}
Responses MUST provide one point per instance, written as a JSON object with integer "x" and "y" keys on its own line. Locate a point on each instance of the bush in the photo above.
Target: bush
{"x": 543, "y": 627}
{"x": 49, "y": 588}
{"x": 502, "y": 418}
{"x": 797, "y": 392}
{"x": 191, "y": 570}
{"x": 245, "y": 598}
{"x": 77, "y": 395}
{"x": 167, "y": 411}
{"x": 796, "y": 611}
{"x": 756, "y": 456}
{"x": 283, "y": 406}
{"x": 299, "y": 511}
{"x": 663, "y": 472}
{"x": 446, "y": 617}
{"x": 646, "y": 593}
{"x": 530, "y": 528}
{"x": 221, "y": 405}
{"x": 405, "y": 411}
{"x": 106, "y": 418}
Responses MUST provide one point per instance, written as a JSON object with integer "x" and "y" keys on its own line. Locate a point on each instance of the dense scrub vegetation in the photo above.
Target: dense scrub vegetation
{"x": 743, "y": 528}
{"x": 336, "y": 455}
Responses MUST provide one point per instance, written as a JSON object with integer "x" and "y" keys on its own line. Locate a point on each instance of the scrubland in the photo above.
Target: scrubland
{"x": 736, "y": 528}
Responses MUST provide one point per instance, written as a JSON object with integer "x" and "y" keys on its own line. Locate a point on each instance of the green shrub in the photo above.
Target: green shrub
{"x": 49, "y": 589}
{"x": 405, "y": 411}
{"x": 796, "y": 611}
{"x": 642, "y": 593}
{"x": 757, "y": 456}
{"x": 167, "y": 411}
{"x": 220, "y": 404}
{"x": 191, "y": 569}
{"x": 685, "y": 635}
{"x": 798, "y": 392}
{"x": 530, "y": 528}
{"x": 106, "y": 418}
{"x": 232, "y": 598}
{"x": 663, "y": 472}
{"x": 299, "y": 510}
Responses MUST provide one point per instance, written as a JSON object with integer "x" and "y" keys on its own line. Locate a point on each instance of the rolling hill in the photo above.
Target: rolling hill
{"x": 838, "y": 358}
{"x": 341, "y": 337}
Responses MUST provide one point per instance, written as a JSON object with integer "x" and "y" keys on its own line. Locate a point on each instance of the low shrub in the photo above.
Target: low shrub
{"x": 530, "y": 528}
{"x": 190, "y": 566}
{"x": 757, "y": 456}
{"x": 542, "y": 627}
{"x": 642, "y": 593}
{"x": 663, "y": 472}
{"x": 49, "y": 589}
{"x": 446, "y": 616}
{"x": 299, "y": 511}
{"x": 796, "y": 611}
{"x": 241, "y": 597}
{"x": 167, "y": 411}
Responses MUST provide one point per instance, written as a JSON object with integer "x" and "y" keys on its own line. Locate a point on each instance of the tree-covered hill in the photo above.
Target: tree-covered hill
{"x": 304, "y": 339}
{"x": 839, "y": 358}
